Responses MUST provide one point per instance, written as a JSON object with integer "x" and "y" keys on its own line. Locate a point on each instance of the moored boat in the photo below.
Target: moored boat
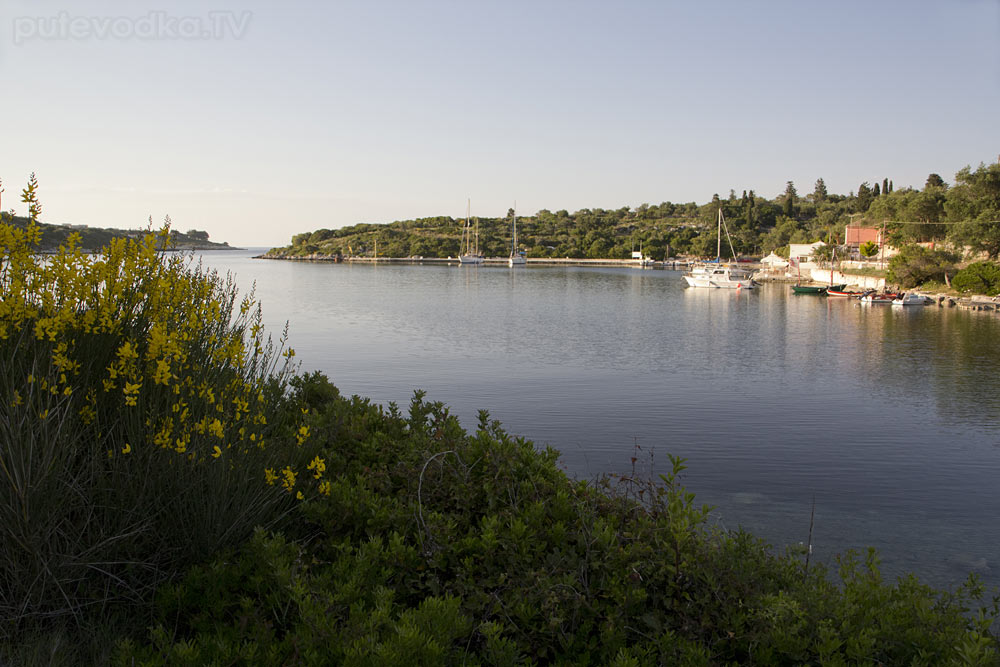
{"x": 469, "y": 252}
{"x": 723, "y": 277}
{"x": 715, "y": 274}
{"x": 910, "y": 299}
{"x": 815, "y": 289}
{"x": 830, "y": 291}
{"x": 877, "y": 297}
{"x": 517, "y": 257}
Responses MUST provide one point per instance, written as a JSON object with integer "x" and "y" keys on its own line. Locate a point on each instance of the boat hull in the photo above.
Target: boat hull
{"x": 835, "y": 292}
{"x": 470, "y": 259}
{"x": 809, "y": 289}
{"x": 719, "y": 283}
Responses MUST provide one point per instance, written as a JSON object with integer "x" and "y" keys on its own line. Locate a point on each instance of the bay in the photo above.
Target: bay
{"x": 888, "y": 418}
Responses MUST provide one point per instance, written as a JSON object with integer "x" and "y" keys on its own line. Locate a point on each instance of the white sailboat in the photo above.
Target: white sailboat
{"x": 716, "y": 274}
{"x": 469, "y": 253}
{"x": 517, "y": 258}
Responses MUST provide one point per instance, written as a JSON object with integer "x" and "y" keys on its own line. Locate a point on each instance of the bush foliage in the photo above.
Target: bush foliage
{"x": 979, "y": 278}
{"x": 441, "y": 547}
{"x": 915, "y": 265}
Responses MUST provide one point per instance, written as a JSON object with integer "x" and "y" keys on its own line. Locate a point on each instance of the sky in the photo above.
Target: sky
{"x": 255, "y": 121}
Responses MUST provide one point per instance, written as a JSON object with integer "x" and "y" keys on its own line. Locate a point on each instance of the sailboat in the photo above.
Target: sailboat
{"x": 469, "y": 254}
{"x": 715, "y": 274}
{"x": 517, "y": 257}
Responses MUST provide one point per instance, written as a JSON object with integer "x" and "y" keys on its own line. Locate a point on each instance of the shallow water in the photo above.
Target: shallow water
{"x": 887, "y": 416}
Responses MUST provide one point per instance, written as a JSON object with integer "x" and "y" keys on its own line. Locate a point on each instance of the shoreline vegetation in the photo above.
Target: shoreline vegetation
{"x": 93, "y": 239}
{"x": 174, "y": 492}
{"x": 938, "y": 230}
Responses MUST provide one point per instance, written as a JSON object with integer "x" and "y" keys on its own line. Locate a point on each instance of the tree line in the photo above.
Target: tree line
{"x": 965, "y": 213}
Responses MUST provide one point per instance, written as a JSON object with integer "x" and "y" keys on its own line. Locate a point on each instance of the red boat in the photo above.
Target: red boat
{"x": 843, "y": 292}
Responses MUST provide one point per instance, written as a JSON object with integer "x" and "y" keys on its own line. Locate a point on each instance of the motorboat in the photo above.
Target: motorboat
{"x": 911, "y": 299}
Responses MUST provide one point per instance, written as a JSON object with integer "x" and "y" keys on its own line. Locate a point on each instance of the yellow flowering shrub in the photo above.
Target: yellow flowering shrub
{"x": 143, "y": 417}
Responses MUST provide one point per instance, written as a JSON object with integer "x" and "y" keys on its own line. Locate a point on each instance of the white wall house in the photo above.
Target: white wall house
{"x": 802, "y": 252}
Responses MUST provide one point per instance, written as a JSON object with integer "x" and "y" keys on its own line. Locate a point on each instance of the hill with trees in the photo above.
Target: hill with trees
{"x": 965, "y": 214}
{"x": 95, "y": 238}
{"x": 52, "y": 236}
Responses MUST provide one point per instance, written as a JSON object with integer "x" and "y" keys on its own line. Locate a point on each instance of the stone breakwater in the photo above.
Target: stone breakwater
{"x": 986, "y": 303}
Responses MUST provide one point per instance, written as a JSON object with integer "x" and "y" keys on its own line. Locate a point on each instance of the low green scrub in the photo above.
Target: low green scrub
{"x": 978, "y": 278}
{"x": 435, "y": 546}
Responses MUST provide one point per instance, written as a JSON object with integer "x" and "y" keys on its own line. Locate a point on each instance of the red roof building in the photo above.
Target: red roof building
{"x": 855, "y": 236}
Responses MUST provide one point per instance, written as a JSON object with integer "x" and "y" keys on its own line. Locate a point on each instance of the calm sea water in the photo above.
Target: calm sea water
{"x": 888, "y": 417}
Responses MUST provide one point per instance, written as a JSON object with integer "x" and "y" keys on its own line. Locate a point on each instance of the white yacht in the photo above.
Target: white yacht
{"x": 716, "y": 274}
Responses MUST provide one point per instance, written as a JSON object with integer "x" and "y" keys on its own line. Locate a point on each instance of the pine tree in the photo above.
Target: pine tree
{"x": 885, "y": 186}
{"x": 819, "y": 192}
{"x": 864, "y": 198}
{"x": 790, "y": 195}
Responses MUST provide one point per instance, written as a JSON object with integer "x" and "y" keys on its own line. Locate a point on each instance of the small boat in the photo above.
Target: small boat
{"x": 469, "y": 254}
{"x": 910, "y": 299}
{"x": 815, "y": 289}
{"x": 876, "y": 297}
{"x": 830, "y": 291}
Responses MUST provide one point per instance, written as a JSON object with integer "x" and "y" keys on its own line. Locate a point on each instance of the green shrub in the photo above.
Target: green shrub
{"x": 142, "y": 419}
{"x": 436, "y": 546}
{"x": 915, "y": 265}
{"x": 978, "y": 278}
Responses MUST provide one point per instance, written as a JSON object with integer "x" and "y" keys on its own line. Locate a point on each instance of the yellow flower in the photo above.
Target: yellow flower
{"x": 324, "y": 487}
{"x": 216, "y": 452}
{"x": 289, "y": 478}
{"x": 43, "y": 414}
{"x": 17, "y": 398}
{"x": 300, "y": 496}
{"x": 269, "y": 476}
{"x": 126, "y": 352}
{"x": 127, "y": 448}
{"x": 319, "y": 466}
{"x": 303, "y": 434}
{"x": 162, "y": 374}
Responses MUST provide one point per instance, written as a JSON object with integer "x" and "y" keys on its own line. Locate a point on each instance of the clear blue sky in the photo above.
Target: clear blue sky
{"x": 280, "y": 117}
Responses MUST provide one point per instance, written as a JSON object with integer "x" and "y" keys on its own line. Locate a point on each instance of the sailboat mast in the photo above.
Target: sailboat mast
{"x": 513, "y": 243}
{"x": 466, "y": 241}
{"x": 718, "y": 240}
